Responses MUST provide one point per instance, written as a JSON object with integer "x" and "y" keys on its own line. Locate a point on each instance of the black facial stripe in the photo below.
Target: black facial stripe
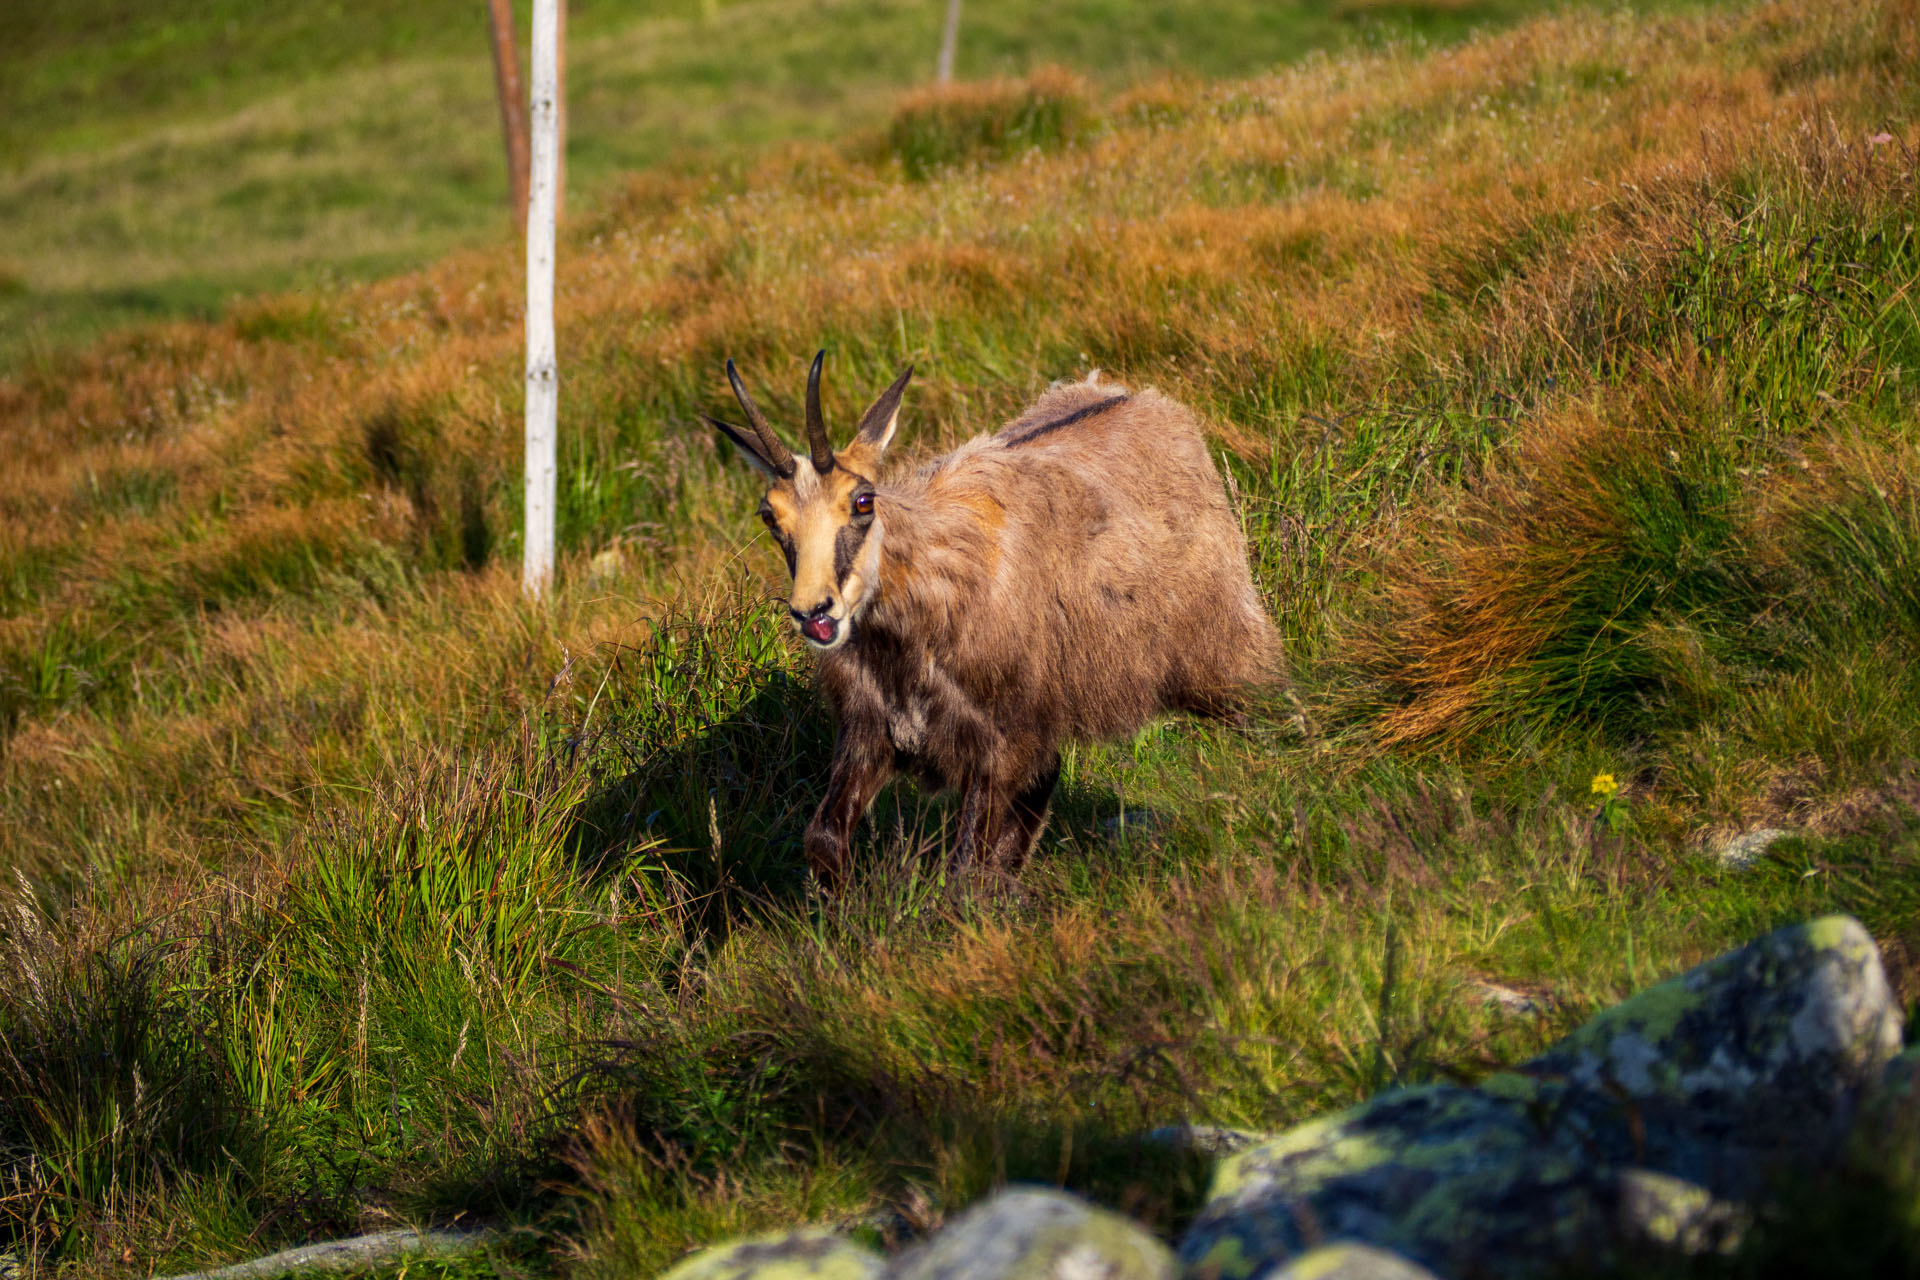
{"x": 1068, "y": 420}
{"x": 846, "y": 545}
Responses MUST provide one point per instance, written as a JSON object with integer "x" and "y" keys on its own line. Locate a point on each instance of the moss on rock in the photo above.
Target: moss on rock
{"x": 1350, "y": 1262}
{"x": 808, "y": 1254}
{"x": 1450, "y": 1177}
{"x": 1755, "y": 1058}
{"x": 1033, "y": 1234}
{"x": 1637, "y": 1132}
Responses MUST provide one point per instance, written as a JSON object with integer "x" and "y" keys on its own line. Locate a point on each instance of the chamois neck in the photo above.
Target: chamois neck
{"x": 936, "y": 554}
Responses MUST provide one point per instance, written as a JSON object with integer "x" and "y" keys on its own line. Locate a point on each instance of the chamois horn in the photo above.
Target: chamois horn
{"x": 817, "y": 443}
{"x": 777, "y": 453}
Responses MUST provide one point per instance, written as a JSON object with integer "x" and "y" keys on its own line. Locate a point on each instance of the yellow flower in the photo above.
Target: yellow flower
{"x": 1604, "y": 786}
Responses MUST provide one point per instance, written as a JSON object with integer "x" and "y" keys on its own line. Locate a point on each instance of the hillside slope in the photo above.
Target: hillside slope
{"x": 1568, "y": 382}
{"x": 159, "y": 159}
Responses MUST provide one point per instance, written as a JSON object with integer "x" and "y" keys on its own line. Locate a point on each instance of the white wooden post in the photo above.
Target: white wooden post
{"x": 949, "y": 39}
{"x": 543, "y": 390}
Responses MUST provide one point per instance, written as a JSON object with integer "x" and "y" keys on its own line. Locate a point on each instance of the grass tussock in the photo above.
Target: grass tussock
{"x": 948, "y": 124}
{"x": 1566, "y": 382}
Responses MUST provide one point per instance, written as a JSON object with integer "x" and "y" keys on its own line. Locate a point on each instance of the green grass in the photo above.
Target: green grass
{"x": 163, "y": 160}
{"x": 358, "y": 891}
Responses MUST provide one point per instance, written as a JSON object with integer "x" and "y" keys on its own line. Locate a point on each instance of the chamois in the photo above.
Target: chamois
{"x": 1065, "y": 579}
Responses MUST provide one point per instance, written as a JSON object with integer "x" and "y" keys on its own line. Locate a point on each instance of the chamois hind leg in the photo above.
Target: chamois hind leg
{"x": 861, "y": 766}
{"x": 1027, "y": 816}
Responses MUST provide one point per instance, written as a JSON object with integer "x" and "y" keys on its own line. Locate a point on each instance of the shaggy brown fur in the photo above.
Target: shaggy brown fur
{"x": 1065, "y": 579}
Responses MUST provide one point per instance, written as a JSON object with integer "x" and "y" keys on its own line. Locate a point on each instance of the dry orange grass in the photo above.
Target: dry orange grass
{"x": 1262, "y": 249}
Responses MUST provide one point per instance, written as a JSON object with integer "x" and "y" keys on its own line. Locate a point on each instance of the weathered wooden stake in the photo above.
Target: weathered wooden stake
{"x": 560, "y": 130}
{"x": 543, "y": 391}
{"x": 949, "y": 39}
{"x": 513, "y": 115}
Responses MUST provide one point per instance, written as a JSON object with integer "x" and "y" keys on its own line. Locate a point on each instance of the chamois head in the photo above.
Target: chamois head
{"x": 821, "y": 508}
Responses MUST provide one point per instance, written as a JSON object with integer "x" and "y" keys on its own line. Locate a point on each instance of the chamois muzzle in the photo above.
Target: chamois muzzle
{"x": 820, "y": 626}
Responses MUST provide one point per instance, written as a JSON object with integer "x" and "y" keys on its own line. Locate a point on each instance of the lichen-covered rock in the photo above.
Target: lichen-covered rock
{"x": 809, "y": 1254}
{"x": 1633, "y": 1133}
{"x": 1349, "y": 1262}
{"x": 1448, "y": 1177}
{"x": 1672, "y": 1215}
{"x": 1033, "y": 1234}
{"x": 1749, "y": 1060}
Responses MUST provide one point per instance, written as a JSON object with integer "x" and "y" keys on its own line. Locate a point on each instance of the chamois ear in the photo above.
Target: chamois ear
{"x": 878, "y": 423}
{"x": 747, "y": 451}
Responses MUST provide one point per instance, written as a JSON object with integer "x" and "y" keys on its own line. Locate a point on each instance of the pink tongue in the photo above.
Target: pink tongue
{"x": 820, "y": 629}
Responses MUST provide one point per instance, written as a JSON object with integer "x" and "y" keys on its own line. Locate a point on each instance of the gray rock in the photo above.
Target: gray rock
{"x": 358, "y": 1253}
{"x": 1742, "y": 851}
{"x": 812, "y": 1253}
{"x": 1034, "y": 1234}
{"x": 1203, "y": 1139}
{"x": 1506, "y": 999}
{"x": 1751, "y": 1060}
{"x": 1634, "y": 1133}
{"x": 1349, "y": 1262}
{"x": 1448, "y": 1177}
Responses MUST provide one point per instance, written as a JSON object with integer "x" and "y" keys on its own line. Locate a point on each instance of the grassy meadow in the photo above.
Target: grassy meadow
{"x": 166, "y": 159}
{"x": 1567, "y": 378}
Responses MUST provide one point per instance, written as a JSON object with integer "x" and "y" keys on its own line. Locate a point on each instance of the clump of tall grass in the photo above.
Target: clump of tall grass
{"x": 108, "y": 1090}
{"x": 712, "y": 747}
{"x": 989, "y": 120}
{"x": 1637, "y": 543}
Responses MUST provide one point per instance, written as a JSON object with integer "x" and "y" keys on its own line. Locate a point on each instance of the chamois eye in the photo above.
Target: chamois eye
{"x": 863, "y": 503}
{"x": 766, "y": 518}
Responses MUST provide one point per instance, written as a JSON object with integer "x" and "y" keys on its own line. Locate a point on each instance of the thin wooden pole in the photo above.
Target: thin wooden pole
{"x": 949, "y": 40}
{"x": 560, "y": 133}
{"x": 543, "y": 390}
{"x": 513, "y": 116}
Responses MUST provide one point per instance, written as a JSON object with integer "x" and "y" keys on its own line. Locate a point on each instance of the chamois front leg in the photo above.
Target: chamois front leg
{"x": 862, "y": 764}
{"x": 983, "y": 803}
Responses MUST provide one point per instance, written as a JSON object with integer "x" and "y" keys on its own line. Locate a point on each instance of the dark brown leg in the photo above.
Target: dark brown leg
{"x": 1028, "y": 815}
{"x": 981, "y": 807}
{"x": 860, "y": 769}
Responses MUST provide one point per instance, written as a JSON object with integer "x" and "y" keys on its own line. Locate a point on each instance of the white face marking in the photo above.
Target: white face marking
{"x": 806, "y": 481}
{"x": 860, "y": 584}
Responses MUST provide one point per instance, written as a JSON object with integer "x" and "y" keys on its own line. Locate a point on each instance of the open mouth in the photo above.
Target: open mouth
{"x": 822, "y": 629}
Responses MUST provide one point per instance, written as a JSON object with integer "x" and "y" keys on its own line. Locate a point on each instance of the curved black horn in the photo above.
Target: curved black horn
{"x": 777, "y": 453}
{"x": 817, "y": 443}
